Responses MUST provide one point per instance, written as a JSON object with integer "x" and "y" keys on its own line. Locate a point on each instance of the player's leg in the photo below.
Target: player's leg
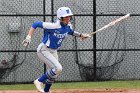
{"x": 49, "y": 82}
{"x": 46, "y": 55}
{"x": 51, "y": 74}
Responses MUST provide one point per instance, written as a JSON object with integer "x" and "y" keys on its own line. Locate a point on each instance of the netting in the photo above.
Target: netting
{"x": 76, "y": 56}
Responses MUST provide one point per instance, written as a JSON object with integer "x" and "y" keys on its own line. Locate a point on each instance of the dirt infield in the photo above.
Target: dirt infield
{"x": 77, "y": 91}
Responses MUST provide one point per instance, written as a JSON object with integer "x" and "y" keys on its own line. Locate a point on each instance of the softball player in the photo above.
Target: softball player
{"x": 52, "y": 40}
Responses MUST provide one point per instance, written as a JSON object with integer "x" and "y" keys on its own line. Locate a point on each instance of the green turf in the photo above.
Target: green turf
{"x": 75, "y": 85}
{"x": 104, "y": 84}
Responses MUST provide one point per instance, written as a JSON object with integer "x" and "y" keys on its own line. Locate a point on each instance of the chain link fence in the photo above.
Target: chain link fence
{"x": 117, "y": 48}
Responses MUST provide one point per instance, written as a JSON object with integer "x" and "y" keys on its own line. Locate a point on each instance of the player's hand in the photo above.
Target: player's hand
{"x": 27, "y": 41}
{"x": 84, "y": 36}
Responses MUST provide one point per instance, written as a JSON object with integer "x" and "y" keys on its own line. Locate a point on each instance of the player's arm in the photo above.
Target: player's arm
{"x": 81, "y": 35}
{"x": 77, "y": 34}
{"x": 31, "y": 31}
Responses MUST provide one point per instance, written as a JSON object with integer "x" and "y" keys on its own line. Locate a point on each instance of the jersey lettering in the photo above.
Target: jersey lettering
{"x": 60, "y": 35}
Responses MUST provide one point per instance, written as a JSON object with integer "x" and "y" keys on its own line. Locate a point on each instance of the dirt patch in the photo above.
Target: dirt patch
{"x": 133, "y": 91}
{"x": 77, "y": 91}
{"x": 89, "y": 91}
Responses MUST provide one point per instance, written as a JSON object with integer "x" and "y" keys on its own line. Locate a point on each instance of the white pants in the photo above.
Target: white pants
{"x": 49, "y": 57}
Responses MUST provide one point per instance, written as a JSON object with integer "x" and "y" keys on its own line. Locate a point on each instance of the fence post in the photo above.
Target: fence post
{"x": 94, "y": 38}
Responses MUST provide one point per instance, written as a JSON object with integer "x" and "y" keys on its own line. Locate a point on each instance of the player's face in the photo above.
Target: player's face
{"x": 66, "y": 20}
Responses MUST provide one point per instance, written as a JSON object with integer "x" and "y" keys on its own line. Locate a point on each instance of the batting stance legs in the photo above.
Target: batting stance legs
{"x": 54, "y": 68}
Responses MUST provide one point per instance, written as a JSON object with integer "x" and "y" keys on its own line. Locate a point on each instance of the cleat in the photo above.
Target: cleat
{"x": 39, "y": 86}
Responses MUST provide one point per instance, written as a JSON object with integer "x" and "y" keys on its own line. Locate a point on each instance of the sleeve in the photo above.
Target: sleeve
{"x": 37, "y": 24}
{"x": 74, "y": 33}
{"x": 71, "y": 32}
{"x": 46, "y": 25}
{"x": 49, "y": 25}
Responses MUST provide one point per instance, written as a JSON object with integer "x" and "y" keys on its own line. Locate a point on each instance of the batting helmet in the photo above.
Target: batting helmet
{"x": 63, "y": 12}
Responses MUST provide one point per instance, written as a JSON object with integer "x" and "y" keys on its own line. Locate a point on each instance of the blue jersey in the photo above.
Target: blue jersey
{"x": 54, "y": 33}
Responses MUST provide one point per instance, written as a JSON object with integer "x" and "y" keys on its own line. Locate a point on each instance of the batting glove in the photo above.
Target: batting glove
{"x": 84, "y": 36}
{"x": 27, "y": 41}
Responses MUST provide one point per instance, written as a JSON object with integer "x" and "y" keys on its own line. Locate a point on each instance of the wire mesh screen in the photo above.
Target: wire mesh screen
{"x": 113, "y": 61}
{"x": 21, "y": 7}
{"x": 117, "y": 6}
{"x": 124, "y": 35}
{"x": 77, "y": 6}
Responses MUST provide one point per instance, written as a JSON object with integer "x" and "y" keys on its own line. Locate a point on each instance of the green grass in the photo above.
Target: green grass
{"x": 76, "y": 85}
{"x": 104, "y": 84}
